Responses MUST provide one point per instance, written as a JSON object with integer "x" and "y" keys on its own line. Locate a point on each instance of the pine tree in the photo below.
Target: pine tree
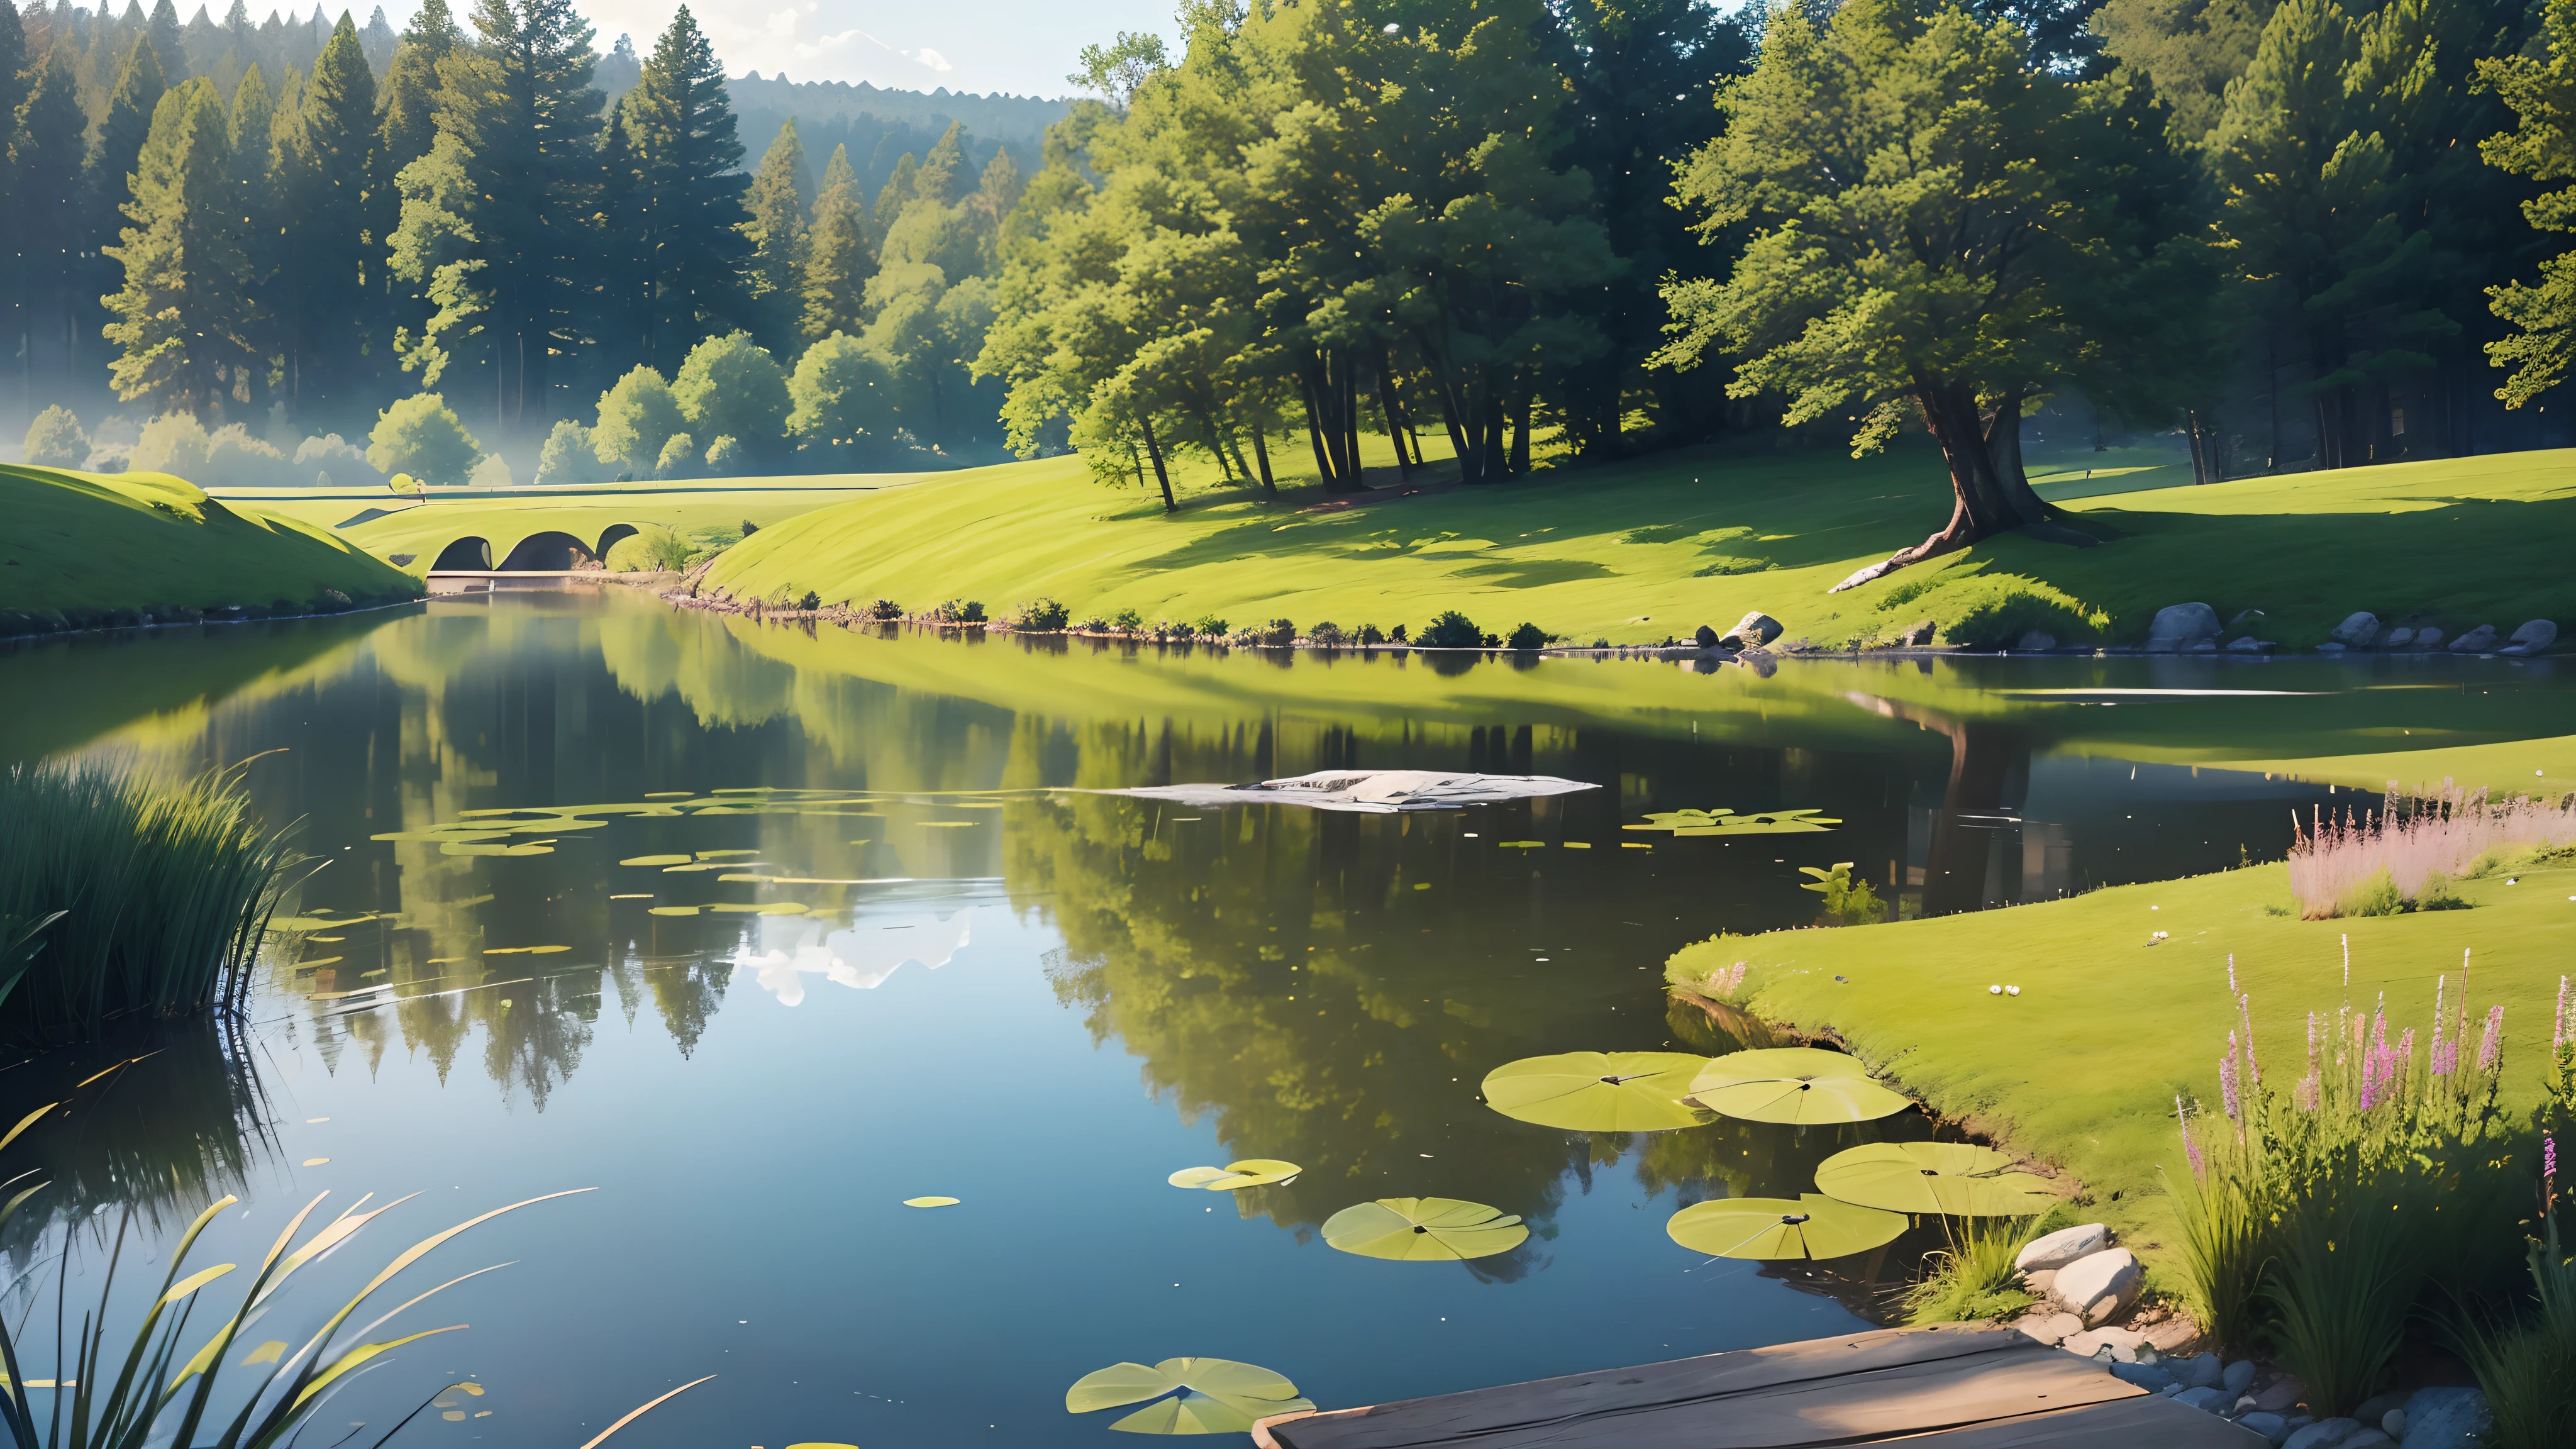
{"x": 326, "y": 262}
{"x": 16, "y": 78}
{"x": 896, "y": 193}
{"x": 168, "y": 44}
{"x": 45, "y": 213}
{"x": 838, "y": 261}
{"x": 409, "y": 119}
{"x": 525, "y": 120}
{"x": 942, "y": 178}
{"x": 140, "y": 83}
{"x": 179, "y": 326}
{"x": 777, "y": 233}
{"x": 247, "y": 131}
{"x": 680, "y": 128}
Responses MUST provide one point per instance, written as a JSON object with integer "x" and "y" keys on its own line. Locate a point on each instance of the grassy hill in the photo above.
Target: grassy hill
{"x": 1657, "y": 547}
{"x": 82, "y": 549}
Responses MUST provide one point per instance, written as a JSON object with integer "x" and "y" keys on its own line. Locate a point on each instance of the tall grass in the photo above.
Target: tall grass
{"x": 162, "y": 891}
{"x": 2365, "y": 864}
{"x": 2527, "y": 1364}
{"x": 1975, "y": 1278}
{"x": 2321, "y": 1210}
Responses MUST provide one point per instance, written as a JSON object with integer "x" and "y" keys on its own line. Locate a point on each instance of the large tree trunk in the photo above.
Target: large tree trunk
{"x": 1386, "y": 406}
{"x": 1329, "y": 415}
{"x": 1989, "y": 492}
{"x": 1155, "y": 452}
{"x": 1261, "y": 456}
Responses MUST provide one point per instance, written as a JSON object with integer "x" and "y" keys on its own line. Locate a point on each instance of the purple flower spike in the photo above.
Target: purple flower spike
{"x": 2491, "y": 1046}
{"x": 2191, "y": 1149}
{"x": 2227, "y": 1080}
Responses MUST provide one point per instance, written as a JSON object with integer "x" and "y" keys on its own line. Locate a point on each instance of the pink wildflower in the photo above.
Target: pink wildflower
{"x": 2227, "y": 1094}
{"x": 2491, "y": 1046}
{"x": 2191, "y": 1149}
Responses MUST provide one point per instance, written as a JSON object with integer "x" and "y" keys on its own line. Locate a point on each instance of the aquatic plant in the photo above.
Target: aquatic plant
{"x": 1799, "y": 1086}
{"x": 1975, "y": 1277}
{"x": 163, "y": 893}
{"x": 1424, "y": 1229}
{"x": 1188, "y": 1395}
{"x": 1599, "y": 1091}
{"x": 1954, "y": 1179}
{"x": 1848, "y": 901}
{"x": 2409, "y": 851}
{"x": 1773, "y": 1229}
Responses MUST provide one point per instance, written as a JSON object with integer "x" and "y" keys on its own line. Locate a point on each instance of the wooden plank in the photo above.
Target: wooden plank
{"x": 1858, "y": 1389}
{"x": 2149, "y": 1421}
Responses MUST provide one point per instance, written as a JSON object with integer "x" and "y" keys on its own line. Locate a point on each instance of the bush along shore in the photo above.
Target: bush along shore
{"x": 29, "y": 624}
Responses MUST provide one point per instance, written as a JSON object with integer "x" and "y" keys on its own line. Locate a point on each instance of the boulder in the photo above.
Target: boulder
{"x": 2271, "y": 1426}
{"x": 2180, "y": 626}
{"x": 2445, "y": 1418}
{"x": 2238, "y": 1377}
{"x": 2532, "y": 637}
{"x": 2399, "y": 638}
{"x": 2249, "y": 645}
{"x": 1706, "y": 638}
{"x": 2427, "y": 637}
{"x": 2331, "y": 648}
{"x": 2356, "y": 631}
{"x": 2042, "y": 1282}
{"x": 2393, "y": 1424}
{"x": 2281, "y": 1395}
{"x": 1751, "y": 632}
{"x": 2034, "y": 642}
{"x": 2101, "y": 1286}
{"x": 2374, "y": 1408}
{"x": 2051, "y": 1328}
{"x": 2201, "y": 646}
{"x": 2323, "y": 1434}
{"x": 2201, "y": 1372}
{"x": 2145, "y": 1375}
{"x": 2208, "y": 1401}
{"x": 2062, "y": 1247}
{"x": 2477, "y": 641}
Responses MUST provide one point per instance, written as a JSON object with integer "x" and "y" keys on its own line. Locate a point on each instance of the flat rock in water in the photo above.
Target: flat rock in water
{"x": 2101, "y": 1285}
{"x": 2181, "y": 627}
{"x": 2477, "y": 641}
{"x": 1751, "y": 632}
{"x": 2445, "y": 1418}
{"x": 2062, "y": 1247}
{"x": 2249, "y": 645}
{"x": 2356, "y": 631}
{"x": 1373, "y": 792}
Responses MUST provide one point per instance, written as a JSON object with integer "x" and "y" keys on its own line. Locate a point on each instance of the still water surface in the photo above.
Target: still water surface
{"x": 1042, "y": 1001}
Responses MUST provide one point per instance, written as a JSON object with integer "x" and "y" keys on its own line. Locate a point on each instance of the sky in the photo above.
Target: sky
{"x": 1024, "y": 47}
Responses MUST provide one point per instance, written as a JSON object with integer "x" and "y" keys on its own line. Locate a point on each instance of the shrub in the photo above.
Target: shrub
{"x": 571, "y": 456}
{"x": 1992, "y": 611}
{"x": 1094, "y": 625}
{"x": 959, "y": 611}
{"x": 1042, "y": 616}
{"x": 1210, "y": 626}
{"x": 650, "y": 550}
{"x": 55, "y": 439}
{"x": 1371, "y": 634}
{"x": 636, "y": 417}
{"x": 1127, "y": 621}
{"x": 843, "y": 393}
{"x": 726, "y": 457}
{"x": 1398, "y": 636}
{"x": 1727, "y": 565}
{"x": 421, "y": 435}
{"x": 679, "y": 458}
{"x": 731, "y": 387}
{"x": 2376, "y": 896}
{"x": 1180, "y": 633}
{"x": 2370, "y": 865}
{"x": 1278, "y": 633}
{"x": 492, "y": 472}
{"x": 164, "y": 894}
{"x": 810, "y": 602}
{"x": 885, "y": 611}
{"x": 1975, "y": 1278}
{"x": 1452, "y": 630}
{"x": 1847, "y": 902}
{"x": 1327, "y": 635}
{"x": 1529, "y": 636}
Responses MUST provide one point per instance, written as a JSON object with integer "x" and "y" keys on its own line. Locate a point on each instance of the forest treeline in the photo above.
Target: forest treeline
{"x": 2301, "y": 233}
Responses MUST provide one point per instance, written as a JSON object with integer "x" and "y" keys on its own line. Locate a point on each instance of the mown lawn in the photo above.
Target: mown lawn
{"x": 76, "y": 542}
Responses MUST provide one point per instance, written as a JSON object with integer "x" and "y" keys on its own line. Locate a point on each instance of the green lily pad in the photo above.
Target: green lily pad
{"x": 1212, "y": 1395}
{"x": 457, "y": 848}
{"x": 1728, "y": 822}
{"x": 445, "y": 833}
{"x": 670, "y": 910}
{"x": 725, "y": 854}
{"x": 1250, "y": 1172}
{"x": 655, "y": 860}
{"x": 1955, "y": 1178}
{"x": 1772, "y": 1228}
{"x": 766, "y": 908}
{"x": 1598, "y": 1091}
{"x": 1797, "y": 1085}
{"x": 1424, "y": 1229}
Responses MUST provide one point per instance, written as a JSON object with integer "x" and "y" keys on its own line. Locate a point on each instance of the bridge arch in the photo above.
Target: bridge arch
{"x": 548, "y": 552}
{"x": 465, "y": 555}
{"x": 616, "y": 534}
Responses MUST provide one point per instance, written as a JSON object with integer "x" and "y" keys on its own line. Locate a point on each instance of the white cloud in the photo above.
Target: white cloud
{"x": 930, "y": 58}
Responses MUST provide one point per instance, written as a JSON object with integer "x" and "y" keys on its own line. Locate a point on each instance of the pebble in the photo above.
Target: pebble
{"x": 2238, "y": 1378}
{"x": 2145, "y": 1376}
{"x": 2200, "y": 1372}
{"x": 2271, "y": 1426}
{"x": 2208, "y": 1401}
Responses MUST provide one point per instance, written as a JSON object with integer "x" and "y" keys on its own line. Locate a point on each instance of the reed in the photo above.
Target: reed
{"x": 160, "y": 894}
{"x": 2372, "y": 863}
{"x": 1975, "y": 1277}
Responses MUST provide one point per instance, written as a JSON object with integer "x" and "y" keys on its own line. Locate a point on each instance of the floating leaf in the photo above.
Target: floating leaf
{"x": 724, "y": 854}
{"x": 452, "y": 848}
{"x": 1728, "y": 822}
{"x": 1423, "y": 1229}
{"x": 930, "y": 1202}
{"x": 667, "y": 794}
{"x": 655, "y": 860}
{"x": 1771, "y": 1228}
{"x": 445, "y": 833}
{"x": 523, "y": 950}
{"x": 1195, "y": 1176}
{"x": 670, "y": 910}
{"x": 771, "y": 908}
{"x": 1956, "y": 1178}
{"x": 1797, "y": 1085}
{"x": 946, "y": 824}
{"x": 1216, "y": 1395}
{"x": 1250, "y": 1172}
{"x": 1598, "y": 1091}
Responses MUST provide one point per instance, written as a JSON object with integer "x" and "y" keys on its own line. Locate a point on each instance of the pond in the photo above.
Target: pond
{"x": 972, "y": 978}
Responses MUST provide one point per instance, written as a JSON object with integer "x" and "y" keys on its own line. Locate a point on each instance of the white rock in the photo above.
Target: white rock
{"x": 2477, "y": 641}
{"x": 2356, "y": 631}
{"x": 1752, "y": 631}
{"x": 2051, "y": 1328}
{"x": 2042, "y": 1283}
{"x": 2180, "y": 627}
{"x": 2062, "y": 1247}
{"x": 2100, "y": 1286}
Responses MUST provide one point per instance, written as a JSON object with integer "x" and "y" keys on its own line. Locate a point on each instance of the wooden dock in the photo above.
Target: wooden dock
{"x": 1957, "y": 1387}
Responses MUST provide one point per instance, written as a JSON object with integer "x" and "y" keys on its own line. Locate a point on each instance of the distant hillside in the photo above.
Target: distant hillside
{"x": 1018, "y": 120}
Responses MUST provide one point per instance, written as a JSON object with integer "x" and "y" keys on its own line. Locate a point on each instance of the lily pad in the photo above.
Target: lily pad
{"x": 1598, "y": 1091}
{"x": 655, "y": 860}
{"x": 1728, "y": 822}
{"x": 930, "y": 1202}
{"x": 1206, "y": 1395}
{"x": 1424, "y": 1229}
{"x": 724, "y": 854}
{"x": 1797, "y": 1085}
{"x": 1956, "y": 1178}
{"x": 454, "y": 848}
{"x": 1772, "y": 1228}
{"x": 768, "y": 908}
{"x": 670, "y": 910}
{"x": 1250, "y": 1172}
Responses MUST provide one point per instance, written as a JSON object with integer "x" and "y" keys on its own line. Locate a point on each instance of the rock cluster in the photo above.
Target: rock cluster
{"x": 2089, "y": 1283}
{"x": 2363, "y": 631}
